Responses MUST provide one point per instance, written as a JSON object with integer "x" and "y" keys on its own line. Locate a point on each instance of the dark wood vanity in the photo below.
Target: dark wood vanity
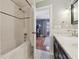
{"x": 59, "y": 52}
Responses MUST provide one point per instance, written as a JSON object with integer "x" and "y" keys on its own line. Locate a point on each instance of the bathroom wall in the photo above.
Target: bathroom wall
{"x": 11, "y": 29}
{"x": 0, "y": 35}
{"x": 31, "y": 26}
{"x": 29, "y": 23}
{"x": 61, "y": 16}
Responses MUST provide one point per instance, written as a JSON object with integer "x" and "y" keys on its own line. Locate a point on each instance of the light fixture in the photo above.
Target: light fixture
{"x": 66, "y": 11}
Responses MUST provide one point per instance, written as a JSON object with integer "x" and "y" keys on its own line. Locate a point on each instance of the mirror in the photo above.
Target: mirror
{"x": 74, "y": 12}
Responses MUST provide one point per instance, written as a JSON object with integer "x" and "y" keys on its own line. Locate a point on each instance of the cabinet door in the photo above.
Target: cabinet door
{"x": 56, "y": 50}
{"x": 64, "y": 55}
{"x": 59, "y": 52}
{"x": 60, "y": 56}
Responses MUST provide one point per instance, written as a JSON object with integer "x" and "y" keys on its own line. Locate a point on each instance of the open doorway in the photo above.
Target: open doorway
{"x": 43, "y": 29}
{"x": 43, "y": 26}
{"x": 42, "y": 34}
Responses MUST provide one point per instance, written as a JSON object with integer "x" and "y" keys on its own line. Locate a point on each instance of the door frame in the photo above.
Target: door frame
{"x": 51, "y": 23}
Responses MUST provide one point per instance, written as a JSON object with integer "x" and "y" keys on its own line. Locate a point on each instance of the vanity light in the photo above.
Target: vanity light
{"x": 39, "y": 25}
{"x": 74, "y": 10}
{"x": 47, "y": 48}
{"x": 66, "y": 11}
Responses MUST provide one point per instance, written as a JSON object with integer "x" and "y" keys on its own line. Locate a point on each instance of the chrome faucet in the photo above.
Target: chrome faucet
{"x": 75, "y": 33}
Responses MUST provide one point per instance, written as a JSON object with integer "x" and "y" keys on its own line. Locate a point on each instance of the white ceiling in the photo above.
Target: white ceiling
{"x": 42, "y": 3}
{"x": 38, "y": 1}
{"x": 22, "y": 3}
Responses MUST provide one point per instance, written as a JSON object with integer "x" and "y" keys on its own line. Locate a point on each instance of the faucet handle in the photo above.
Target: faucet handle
{"x": 25, "y": 36}
{"x": 75, "y": 33}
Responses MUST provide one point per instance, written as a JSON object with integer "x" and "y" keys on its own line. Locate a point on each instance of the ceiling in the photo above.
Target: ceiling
{"x": 22, "y": 3}
{"x": 42, "y": 3}
{"x": 38, "y": 1}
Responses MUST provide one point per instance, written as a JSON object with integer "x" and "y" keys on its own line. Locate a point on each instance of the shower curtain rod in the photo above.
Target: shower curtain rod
{"x": 13, "y": 15}
{"x": 15, "y": 3}
{"x": 19, "y": 5}
{"x": 28, "y": 3}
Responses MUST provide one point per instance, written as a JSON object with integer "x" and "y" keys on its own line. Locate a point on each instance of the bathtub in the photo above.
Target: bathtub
{"x": 21, "y": 52}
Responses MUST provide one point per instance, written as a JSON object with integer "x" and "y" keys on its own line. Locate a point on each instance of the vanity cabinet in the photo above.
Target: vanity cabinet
{"x": 59, "y": 52}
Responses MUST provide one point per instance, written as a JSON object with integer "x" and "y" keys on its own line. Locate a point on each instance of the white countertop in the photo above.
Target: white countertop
{"x": 69, "y": 44}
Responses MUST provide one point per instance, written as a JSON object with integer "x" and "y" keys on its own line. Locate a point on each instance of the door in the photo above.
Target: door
{"x": 43, "y": 39}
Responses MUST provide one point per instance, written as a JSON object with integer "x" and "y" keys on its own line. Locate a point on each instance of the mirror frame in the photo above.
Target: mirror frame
{"x": 72, "y": 13}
